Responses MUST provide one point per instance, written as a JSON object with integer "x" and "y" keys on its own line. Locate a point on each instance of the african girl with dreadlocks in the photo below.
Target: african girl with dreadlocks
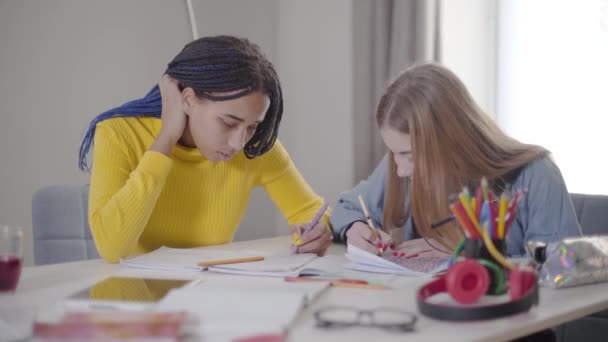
{"x": 176, "y": 167}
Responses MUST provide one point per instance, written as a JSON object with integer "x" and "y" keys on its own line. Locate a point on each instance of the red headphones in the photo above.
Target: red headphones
{"x": 467, "y": 281}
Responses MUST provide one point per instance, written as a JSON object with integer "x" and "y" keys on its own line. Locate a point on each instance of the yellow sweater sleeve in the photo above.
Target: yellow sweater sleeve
{"x": 288, "y": 189}
{"x": 122, "y": 195}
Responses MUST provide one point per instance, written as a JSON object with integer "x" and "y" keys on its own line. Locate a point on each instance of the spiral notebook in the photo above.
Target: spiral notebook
{"x": 361, "y": 260}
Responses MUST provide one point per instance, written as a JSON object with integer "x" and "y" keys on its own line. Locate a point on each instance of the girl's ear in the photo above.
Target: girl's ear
{"x": 189, "y": 100}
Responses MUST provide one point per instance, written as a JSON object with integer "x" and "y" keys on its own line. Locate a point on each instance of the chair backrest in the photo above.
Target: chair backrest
{"x": 592, "y": 213}
{"x": 60, "y": 225}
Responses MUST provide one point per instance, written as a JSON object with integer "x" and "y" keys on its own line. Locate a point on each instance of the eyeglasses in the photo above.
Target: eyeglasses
{"x": 386, "y": 318}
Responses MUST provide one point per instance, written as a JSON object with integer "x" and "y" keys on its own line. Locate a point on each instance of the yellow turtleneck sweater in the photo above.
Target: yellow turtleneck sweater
{"x": 140, "y": 200}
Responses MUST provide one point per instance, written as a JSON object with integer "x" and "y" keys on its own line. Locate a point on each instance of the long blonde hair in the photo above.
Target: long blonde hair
{"x": 454, "y": 144}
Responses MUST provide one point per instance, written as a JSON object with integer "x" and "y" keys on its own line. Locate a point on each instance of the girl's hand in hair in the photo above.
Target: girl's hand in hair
{"x": 419, "y": 247}
{"x": 172, "y": 116}
{"x": 317, "y": 240}
{"x": 361, "y": 236}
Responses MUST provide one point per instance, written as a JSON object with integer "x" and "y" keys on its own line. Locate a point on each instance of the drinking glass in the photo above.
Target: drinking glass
{"x": 11, "y": 256}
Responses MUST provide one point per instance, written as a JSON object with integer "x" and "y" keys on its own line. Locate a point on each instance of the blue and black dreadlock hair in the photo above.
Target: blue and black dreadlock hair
{"x": 212, "y": 66}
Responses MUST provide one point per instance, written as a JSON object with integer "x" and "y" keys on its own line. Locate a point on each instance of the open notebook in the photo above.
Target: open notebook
{"x": 279, "y": 264}
{"x": 166, "y": 258}
{"x": 361, "y": 260}
{"x": 285, "y": 264}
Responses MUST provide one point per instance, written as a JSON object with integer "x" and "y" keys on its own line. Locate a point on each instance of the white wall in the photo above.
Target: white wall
{"x": 468, "y": 43}
{"x": 315, "y": 66}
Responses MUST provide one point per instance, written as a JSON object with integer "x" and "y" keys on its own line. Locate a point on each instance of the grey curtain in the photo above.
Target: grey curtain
{"x": 389, "y": 35}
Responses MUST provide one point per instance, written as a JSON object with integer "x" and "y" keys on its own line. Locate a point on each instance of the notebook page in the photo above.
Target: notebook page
{"x": 379, "y": 270}
{"x": 166, "y": 258}
{"x": 236, "y": 283}
{"x": 328, "y": 265}
{"x": 360, "y": 256}
{"x": 217, "y": 304}
{"x": 364, "y": 261}
{"x": 278, "y": 265}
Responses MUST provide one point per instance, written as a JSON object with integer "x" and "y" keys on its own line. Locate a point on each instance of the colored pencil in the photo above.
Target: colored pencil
{"x": 370, "y": 223}
{"x": 230, "y": 261}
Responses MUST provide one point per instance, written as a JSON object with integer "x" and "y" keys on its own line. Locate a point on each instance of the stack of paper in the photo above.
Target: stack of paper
{"x": 419, "y": 266}
{"x": 229, "y": 308}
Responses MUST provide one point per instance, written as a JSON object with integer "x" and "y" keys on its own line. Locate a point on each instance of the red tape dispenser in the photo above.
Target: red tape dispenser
{"x": 484, "y": 271}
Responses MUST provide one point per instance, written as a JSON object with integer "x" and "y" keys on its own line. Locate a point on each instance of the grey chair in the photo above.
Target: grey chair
{"x": 60, "y": 225}
{"x": 592, "y": 213}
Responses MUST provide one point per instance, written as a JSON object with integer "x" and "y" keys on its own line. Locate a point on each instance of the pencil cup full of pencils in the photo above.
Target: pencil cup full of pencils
{"x": 478, "y": 266}
{"x": 485, "y": 223}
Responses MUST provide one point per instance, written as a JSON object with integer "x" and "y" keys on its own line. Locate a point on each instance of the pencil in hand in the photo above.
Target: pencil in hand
{"x": 298, "y": 235}
{"x": 370, "y": 224}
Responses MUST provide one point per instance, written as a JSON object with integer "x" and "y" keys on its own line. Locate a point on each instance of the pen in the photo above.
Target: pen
{"x": 370, "y": 223}
{"x": 297, "y": 236}
{"x": 230, "y": 261}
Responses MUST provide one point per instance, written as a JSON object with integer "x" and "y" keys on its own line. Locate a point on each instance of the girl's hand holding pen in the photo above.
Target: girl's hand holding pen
{"x": 362, "y": 236}
{"x": 314, "y": 237}
{"x": 317, "y": 240}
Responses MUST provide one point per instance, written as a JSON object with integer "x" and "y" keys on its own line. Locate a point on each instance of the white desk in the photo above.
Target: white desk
{"x": 42, "y": 286}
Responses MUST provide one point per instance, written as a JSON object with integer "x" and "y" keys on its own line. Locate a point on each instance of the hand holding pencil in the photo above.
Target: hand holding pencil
{"x": 366, "y": 236}
{"x": 313, "y": 237}
{"x": 361, "y": 236}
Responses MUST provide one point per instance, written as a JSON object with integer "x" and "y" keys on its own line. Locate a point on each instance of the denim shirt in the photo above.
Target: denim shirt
{"x": 545, "y": 213}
